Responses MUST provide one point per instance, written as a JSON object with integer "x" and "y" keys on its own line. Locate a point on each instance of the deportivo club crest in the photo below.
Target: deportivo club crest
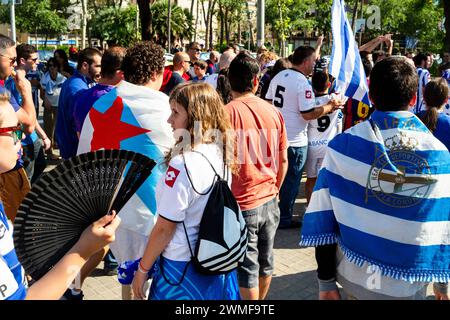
{"x": 402, "y": 178}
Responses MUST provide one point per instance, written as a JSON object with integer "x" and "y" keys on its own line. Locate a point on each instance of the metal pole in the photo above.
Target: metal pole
{"x": 168, "y": 27}
{"x": 83, "y": 24}
{"x": 260, "y": 23}
{"x": 137, "y": 22}
{"x": 13, "y": 20}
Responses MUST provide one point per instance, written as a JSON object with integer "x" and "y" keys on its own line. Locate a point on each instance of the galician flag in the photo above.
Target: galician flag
{"x": 133, "y": 118}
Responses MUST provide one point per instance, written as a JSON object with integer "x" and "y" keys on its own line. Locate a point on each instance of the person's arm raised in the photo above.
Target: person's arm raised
{"x": 372, "y": 44}
{"x": 319, "y": 47}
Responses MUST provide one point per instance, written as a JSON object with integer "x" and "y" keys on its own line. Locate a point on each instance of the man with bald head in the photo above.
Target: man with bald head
{"x": 224, "y": 63}
{"x": 181, "y": 64}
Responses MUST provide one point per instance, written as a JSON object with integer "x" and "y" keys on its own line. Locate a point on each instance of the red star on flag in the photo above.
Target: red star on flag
{"x": 109, "y": 131}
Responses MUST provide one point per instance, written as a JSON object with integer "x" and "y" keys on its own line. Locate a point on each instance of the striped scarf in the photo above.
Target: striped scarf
{"x": 383, "y": 195}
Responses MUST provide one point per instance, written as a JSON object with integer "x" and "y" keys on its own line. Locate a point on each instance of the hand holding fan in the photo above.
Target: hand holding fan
{"x": 66, "y": 200}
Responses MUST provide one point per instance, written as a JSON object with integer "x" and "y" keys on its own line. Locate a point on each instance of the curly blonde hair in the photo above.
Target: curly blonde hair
{"x": 206, "y": 115}
{"x": 266, "y": 57}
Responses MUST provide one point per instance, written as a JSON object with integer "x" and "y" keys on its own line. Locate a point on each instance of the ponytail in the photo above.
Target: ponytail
{"x": 434, "y": 95}
{"x": 430, "y": 118}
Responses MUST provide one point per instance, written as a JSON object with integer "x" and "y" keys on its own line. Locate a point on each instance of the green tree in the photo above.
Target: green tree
{"x": 181, "y": 26}
{"x": 115, "y": 25}
{"x": 298, "y": 17}
{"x": 416, "y": 18}
{"x": 231, "y": 16}
{"x": 446, "y": 6}
{"x": 37, "y": 17}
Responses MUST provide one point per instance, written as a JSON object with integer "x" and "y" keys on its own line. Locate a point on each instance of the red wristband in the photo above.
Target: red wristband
{"x": 141, "y": 267}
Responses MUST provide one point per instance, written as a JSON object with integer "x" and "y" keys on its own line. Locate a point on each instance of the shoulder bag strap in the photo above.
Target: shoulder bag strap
{"x": 216, "y": 175}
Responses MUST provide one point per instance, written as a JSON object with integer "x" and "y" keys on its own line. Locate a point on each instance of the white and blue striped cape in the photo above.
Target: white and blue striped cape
{"x": 346, "y": 65}
{"x": 400, "y": 223}
{"x": 12, "y": 277}
{"x": 424, "y": 78}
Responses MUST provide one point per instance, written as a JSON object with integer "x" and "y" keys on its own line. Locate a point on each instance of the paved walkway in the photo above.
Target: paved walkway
{"x": 294, "y": 277}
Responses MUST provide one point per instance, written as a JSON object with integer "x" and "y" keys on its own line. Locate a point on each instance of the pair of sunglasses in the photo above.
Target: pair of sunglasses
{"x": 15, "y": 132}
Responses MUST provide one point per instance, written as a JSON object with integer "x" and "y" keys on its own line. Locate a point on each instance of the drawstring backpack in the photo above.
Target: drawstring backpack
{"x": 222, "y": 237}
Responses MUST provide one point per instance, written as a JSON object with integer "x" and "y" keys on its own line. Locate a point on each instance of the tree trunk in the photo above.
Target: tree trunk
{"x": 221, "y": 23}
{"x": 207, "y": 18}
{"x": 94, "y": 5}
{"x": 355, "y": 11}
{"x": 191, "y": 11}
{"x": 145, "y": 15}
{"x": 227, "y": 33}
{"x": 89, "y": 35}
{"x": 239, "y": 31}
{"x": 447, "y": 25}
{"x": 211, "y": 12}
{"x": 196, "y": 22}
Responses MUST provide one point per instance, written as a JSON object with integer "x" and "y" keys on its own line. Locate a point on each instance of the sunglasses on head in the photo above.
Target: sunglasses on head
{"x": 15, "y": 132}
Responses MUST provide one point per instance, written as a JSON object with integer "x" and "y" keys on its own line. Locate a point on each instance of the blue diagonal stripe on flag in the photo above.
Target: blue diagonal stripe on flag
{"x": 346, "y": 64}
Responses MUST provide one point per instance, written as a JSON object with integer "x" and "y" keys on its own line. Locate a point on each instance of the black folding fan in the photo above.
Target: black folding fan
{"x": 64, "y": 201}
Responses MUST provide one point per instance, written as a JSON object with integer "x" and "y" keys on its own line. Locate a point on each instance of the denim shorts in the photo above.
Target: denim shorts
{"x": 262, "y": 223}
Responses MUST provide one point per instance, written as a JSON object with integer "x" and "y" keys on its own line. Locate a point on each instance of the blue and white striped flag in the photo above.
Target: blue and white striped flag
{"x": 346, "y": 65}
{"x": 382, "y": 194}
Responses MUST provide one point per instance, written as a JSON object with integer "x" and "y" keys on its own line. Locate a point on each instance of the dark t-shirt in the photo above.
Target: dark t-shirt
{"x": 174, "y": 80}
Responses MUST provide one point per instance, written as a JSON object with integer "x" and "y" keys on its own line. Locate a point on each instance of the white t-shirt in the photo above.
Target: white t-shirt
{"x": 323, "y": 129}
{"x": 292, "y": 94}
{"x": 212, "y": 80}
{"x": 178, "y": 202}
{"x": 52, "y": 87}
{"x": 12, "y": 275}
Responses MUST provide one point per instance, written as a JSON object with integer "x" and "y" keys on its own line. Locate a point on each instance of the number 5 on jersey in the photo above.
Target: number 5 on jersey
{"x": 278, "y": 95}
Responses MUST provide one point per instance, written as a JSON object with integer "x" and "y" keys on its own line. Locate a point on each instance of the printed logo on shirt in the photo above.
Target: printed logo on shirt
{"x": 171, "y": 176}
{"x": 308, "y": 94}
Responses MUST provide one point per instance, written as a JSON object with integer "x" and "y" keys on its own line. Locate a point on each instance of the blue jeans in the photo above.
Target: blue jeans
{"x": 34, "y": 161}
{"x": 291, "y": 184}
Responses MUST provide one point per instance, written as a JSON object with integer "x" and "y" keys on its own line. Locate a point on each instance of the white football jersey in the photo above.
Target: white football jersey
{"x": 424, "y": 78}
{"x": 291, "y": 92}
{"x": 178, "y": 202}
{"x": 322, "y": 130}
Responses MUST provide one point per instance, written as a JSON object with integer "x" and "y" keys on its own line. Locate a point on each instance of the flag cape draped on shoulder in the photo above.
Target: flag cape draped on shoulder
{"x": 134, "y": 118}
{"x": 383, "y": 195}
